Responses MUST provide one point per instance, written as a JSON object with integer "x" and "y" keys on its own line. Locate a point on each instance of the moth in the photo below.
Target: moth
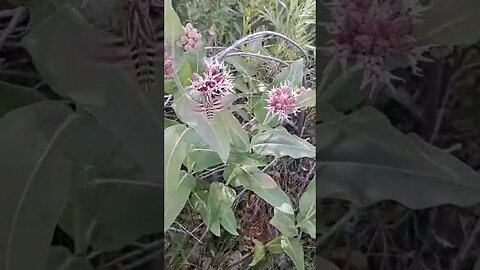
{"x": 138, "y": 42}
{"x": 209, "y": 106}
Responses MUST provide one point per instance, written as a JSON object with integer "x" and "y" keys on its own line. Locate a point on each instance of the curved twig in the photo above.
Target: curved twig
{"x": 257, "y": 56}
{"x": 264, "y": 34}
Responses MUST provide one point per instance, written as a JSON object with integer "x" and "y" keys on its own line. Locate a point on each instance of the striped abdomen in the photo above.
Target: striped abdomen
{"x": 208, "y": 108}
{"x": 143, "y": 57}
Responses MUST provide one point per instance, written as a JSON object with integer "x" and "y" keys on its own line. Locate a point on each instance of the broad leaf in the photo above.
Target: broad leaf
{"x": 34, "y": 168}
{"x": 117, "y": 211}
{"x": 294, "y": 250}
{"x": 60, "y": 258}
{"x": 240, "y": 138}
{"x": 14, "y": 96}
{"x": 52, "y": 153}
{"x": 451, "y": 22}
{"x": 293, "y": 74}
{"x": 362, "y": 158}
{"x": 258, "y": 253}
{"x": 264, "y": 186}
{"x": 177, "y": 185}
{"x": 213, "y": 132}
{"x": 220, "y": 200}
{"x": 173, "y": 29}
{"x": 324, "y": 264}
{"x": 285, "y": 223}
{"x": 306, "y": 217}
{"x": 279, "y": 143}
{"x": 307, "y": 99}
{"x": 69, "y": 53}
{"x": 275, "y": 246}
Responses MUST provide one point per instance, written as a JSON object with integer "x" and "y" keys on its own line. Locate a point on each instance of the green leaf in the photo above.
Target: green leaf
{"x": 258, "y": 253}
{"x": 60, "y": 258}
{"x": 45, "y": 162}
{"x": 177, "y": 184}
{"x": 241, "y": 65}
{"x": 240, "y": 138}
{"x": 33, "y": 168}
{"x": 265, "y": 187}
{"x": 14, "y": 96}
{"x": 168, "y": 123}
{"x": 260, "y": 111}
{"x": 279, "y": 143}
{"x": 109, "y": 92}
{"x": 307, "y": 99}
{"x": 293, "y": 74}
{"x": 364, "y": 159}
{"x": 220, "y": 200}
{"x": 112, "y": 229}
{"x": 285, "y": 223}
{"x": 173, "y": 29}
{"x": 213, "y": 132}
{"x": 306, "y": 217}
{"x": 343, "y": 91}
{"x": 451, "y": 22}
{"x": 294, "y": 250}
{"x": 275, "y": 246}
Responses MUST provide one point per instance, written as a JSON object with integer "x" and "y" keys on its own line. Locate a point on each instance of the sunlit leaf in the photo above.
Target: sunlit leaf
{"x": 285, "y": 223}
{"x": 177, "y": 185}
{"x": 294, "y": 250}
{"x": 279, "y": 143}
{"x": 306, "y": 217}
{"x": 213, "y": 132}
{"x": 258, "y": 253}
{"x": 264, "y": 186}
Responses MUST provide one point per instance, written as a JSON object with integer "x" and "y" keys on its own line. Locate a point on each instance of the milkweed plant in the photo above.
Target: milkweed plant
{"x": 219, "y": 126}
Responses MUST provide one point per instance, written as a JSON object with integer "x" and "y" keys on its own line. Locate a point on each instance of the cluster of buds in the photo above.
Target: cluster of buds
{"x": 190, "y": 39}
{"x": 216, "y": 82}
{"x": 366, "y": 34}
{"x": 167, "y": 65}
{"x": 283, "y": 101}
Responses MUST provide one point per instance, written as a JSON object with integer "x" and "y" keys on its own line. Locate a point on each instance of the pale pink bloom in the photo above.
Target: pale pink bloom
{"x": 368, "y": 33}
{"x": 190, "y": 38}
{"x": 282, "y": 101}
{"x": 167, "y": 65}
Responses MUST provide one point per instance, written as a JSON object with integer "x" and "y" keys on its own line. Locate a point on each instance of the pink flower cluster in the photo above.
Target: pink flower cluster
{"x": 167, "y": 65}
{"x": 282, "y": 101}
{"x": 191, "y": 38}
{"x": 368, "y": 33}
{"x": 215, "y": 83}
